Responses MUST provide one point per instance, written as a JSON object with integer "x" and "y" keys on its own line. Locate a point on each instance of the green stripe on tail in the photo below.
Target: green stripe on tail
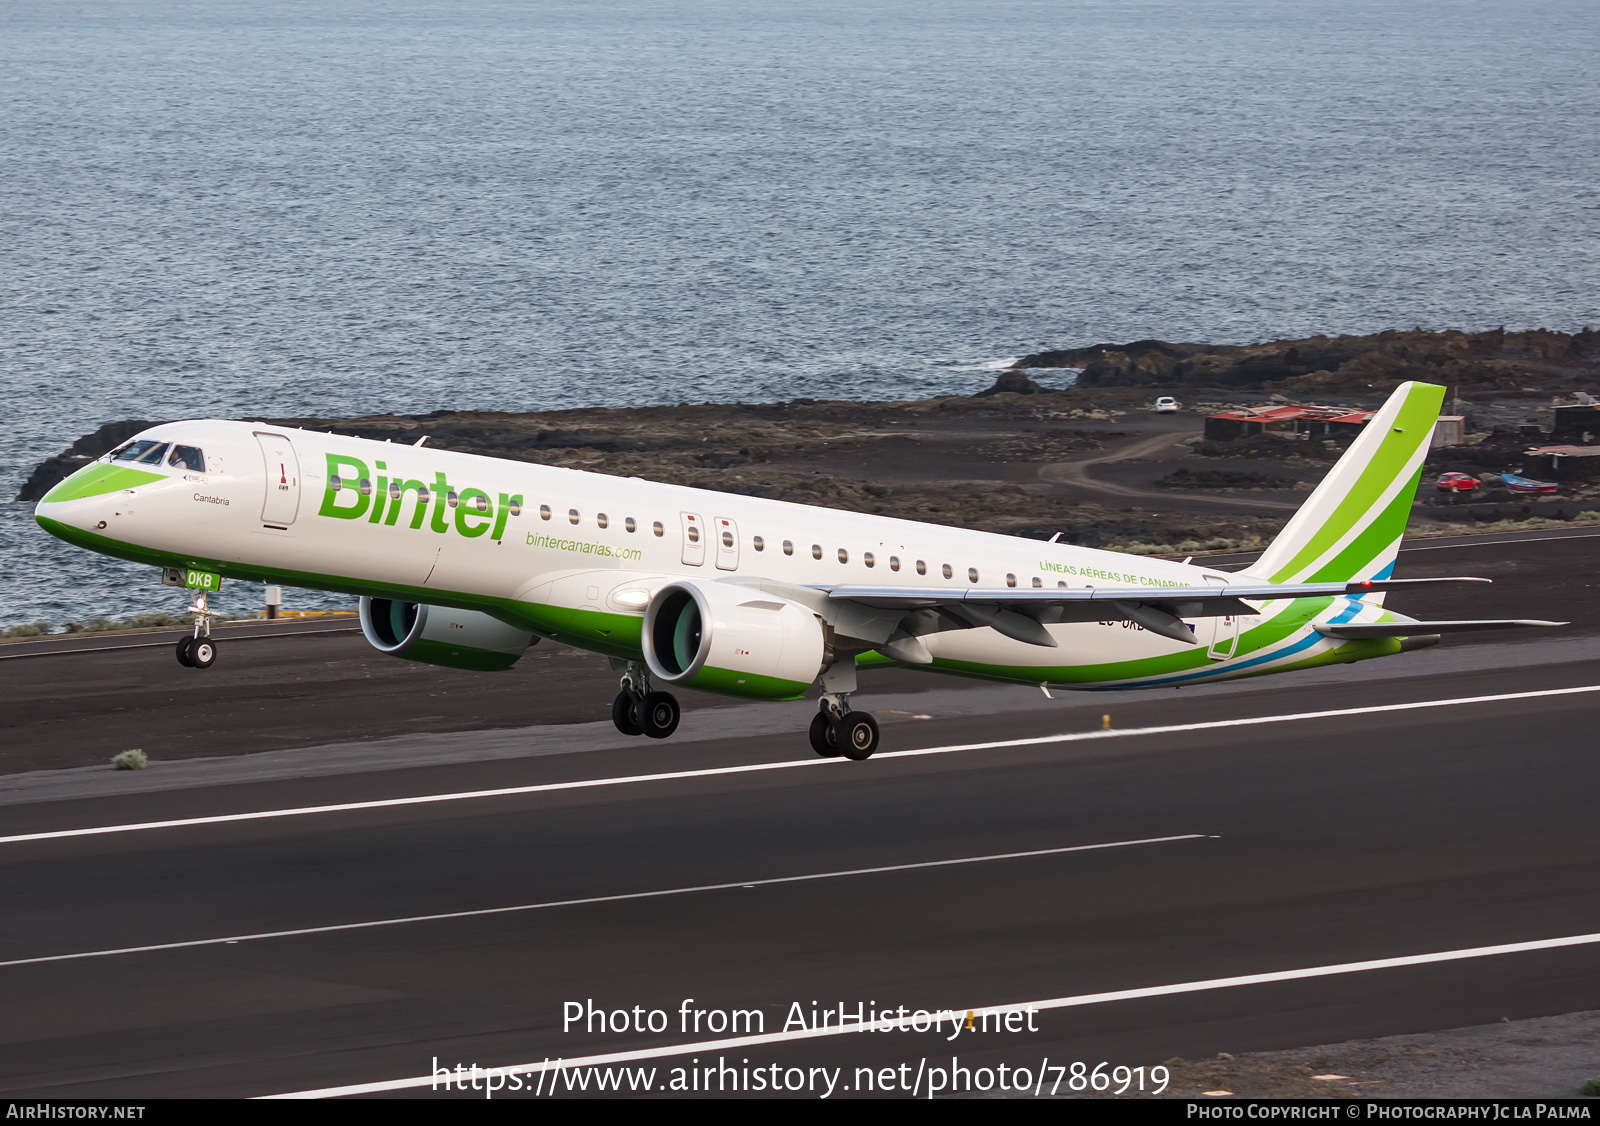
{"x": 1350, "y": 527}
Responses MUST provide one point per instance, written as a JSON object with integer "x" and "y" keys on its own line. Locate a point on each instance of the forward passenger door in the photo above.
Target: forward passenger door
{"x": 282, "y": 502}
{"x": 694, "y": 540}
{"x": 727, "y": 545}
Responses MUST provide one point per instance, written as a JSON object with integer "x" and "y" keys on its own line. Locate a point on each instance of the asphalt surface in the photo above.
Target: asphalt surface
{"x": 309, "y": 689}
{"x": 1312, "y": 842}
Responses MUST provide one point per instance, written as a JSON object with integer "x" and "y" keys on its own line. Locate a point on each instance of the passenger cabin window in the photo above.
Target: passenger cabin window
{"x": 394, "y": 494}
{"x": 694, "y": 533}
{"x": 1062, "y": 583}
{"x": 788, "y": 547}
{"x": 948, "y": 571}
{"x": 894, "y": 562}
{"x": 544, "y": 512}
{"x": 922, "y": 568}
{"x": 187, "y": 457}
{"x": 516, "y": 506}
{"x": 453, "y": 498}
{"x": 727, "y": 539}
{"x": 630, "y": 524}
{"x": 844, "y": 556}
{"x": 759, "y": 544}
{"x": 572, "y": 515}
{"x": 658, "y": 529}
{"x": 1011, "y": 580}
{"x": 480, "y": 502}
{"x": 972, "y": 574}
{"x": 143, "y": 452}
{"x": 603, "y": 520}
{"x": 816, "y": 551}
{"x": 868, "y": 559}
{"x": 365, "y": 486}
{"x": 1036, "y": 583}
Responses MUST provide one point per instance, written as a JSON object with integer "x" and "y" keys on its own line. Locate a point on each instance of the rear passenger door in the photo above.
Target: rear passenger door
{"x": 1224, "y": 630}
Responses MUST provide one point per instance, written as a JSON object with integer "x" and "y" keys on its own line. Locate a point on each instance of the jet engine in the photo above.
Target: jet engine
{"x": 732, "y": 639}
{"x": 438, "y": 635}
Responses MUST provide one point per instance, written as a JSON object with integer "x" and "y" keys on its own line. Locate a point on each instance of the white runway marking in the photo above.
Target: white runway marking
{"x": 1495, "y": 543}
{"x": 621, "y": 898}
{"x": 793, "y": 764}
{"x": 418, "y": 1081}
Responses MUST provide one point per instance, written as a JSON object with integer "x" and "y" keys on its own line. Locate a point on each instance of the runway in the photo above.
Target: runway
{"x": 1006, "y": 851}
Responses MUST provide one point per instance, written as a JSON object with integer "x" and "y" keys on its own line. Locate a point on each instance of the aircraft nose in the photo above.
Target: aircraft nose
{"x": 87, "y": 500}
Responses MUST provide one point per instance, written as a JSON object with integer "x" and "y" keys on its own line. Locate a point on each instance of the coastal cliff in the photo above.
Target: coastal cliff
{"x": 1498, "y": 363}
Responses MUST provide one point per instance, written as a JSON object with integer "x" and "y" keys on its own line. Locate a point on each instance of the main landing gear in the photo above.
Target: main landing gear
{"x": 835, "y": 729}
{"x": 639, "y": 711}
{"x": 199, "y": 651}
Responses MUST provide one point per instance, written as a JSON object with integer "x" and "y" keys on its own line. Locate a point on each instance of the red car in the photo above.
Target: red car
{"x": 1456, "y": 482}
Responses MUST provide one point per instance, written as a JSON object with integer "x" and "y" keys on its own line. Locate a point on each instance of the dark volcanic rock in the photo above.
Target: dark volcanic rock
{"x": 1497, "y": 362}
{"x": 1137, "y": 350}
{"x": 1014, "y": 381}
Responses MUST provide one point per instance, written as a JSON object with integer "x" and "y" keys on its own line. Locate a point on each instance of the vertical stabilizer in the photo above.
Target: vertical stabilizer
{"x": 1350, "y": 527}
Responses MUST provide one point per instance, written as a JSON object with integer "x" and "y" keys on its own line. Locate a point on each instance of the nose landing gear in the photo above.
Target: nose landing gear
{"x": 638, "y": 710}
{"x": 199, "y": 651}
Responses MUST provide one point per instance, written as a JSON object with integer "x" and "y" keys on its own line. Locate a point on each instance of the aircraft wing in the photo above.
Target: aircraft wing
{"x": 889, "y": 597}
{"x": 1022, "y": 613}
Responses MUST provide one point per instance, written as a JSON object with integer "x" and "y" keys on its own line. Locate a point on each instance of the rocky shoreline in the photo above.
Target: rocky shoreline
{"x": 1497, "y": 363}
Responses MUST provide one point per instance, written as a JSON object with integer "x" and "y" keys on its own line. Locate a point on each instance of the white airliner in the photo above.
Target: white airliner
{"x": 466, "y": 561}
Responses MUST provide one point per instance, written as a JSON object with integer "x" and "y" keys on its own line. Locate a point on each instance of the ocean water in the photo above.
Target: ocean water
{"x": 268, "y": 208}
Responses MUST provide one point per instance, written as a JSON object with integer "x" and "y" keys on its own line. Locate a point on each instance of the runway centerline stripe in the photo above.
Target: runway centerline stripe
{"x": 791, "y": 764}
{"x": 594, "y": 899}
{"x": 884, "y": 1025}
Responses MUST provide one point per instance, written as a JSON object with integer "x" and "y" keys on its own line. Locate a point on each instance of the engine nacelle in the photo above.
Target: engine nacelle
{"x": 437, "y": 635}
{"x": 732, "y": 639}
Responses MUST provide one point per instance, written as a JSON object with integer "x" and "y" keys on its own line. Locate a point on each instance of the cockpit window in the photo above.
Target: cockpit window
{"x": 187, "y": 457}
{"x": 145, "y": 452}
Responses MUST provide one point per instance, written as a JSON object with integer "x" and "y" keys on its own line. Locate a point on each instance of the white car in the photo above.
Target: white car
{"x": 1166, "y": 405}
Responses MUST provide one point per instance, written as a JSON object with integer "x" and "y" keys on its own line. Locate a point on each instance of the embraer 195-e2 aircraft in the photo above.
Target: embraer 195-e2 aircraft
{"x": 466, "y": 561}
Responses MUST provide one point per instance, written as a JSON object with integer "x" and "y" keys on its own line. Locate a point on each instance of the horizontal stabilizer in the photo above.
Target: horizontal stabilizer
{"x": 1352, "y": 632}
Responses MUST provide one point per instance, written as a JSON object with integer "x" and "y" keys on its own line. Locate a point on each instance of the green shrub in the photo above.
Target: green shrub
{"x": 135, "y": 759}
{"x": 1188, "y": 547}
{"x": 144, "y": 621}
{"x": 99, "y": 625}
{"x": 27, "y": 629}
{"x": 1592, "y": 1088}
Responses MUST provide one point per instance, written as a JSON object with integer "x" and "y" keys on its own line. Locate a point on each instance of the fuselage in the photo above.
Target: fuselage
{"x": 566, "y": 554}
